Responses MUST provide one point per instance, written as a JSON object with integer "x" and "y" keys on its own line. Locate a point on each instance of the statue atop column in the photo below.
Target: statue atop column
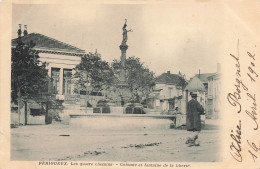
{"x": 122, "y": 85}
{"x": 125, "y": 33}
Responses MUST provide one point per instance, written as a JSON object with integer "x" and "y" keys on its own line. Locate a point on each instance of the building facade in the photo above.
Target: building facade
{"x": 214, "y": 93}
{"x": 60, "y": 57}
{"x": 212, "y": 84}
{"x": 169, "y": 89}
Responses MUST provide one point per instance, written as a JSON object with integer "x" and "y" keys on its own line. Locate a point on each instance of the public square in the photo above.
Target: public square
{"x": 113, "y": 100}
{"x": 62, "y": 142}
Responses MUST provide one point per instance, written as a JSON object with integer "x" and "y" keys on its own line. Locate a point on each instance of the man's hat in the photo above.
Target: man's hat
{"x": 193, "y": 94}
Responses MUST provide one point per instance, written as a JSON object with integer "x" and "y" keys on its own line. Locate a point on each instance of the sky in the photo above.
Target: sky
{"x": 166, "y": 37}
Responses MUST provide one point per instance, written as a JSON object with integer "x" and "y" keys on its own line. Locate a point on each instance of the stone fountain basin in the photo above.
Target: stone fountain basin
{"x": 122, "y": 122}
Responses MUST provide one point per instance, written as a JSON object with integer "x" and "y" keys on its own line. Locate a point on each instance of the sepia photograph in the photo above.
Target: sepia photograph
{"x": 110, "y": 83}
{"x": 123, "y": 84}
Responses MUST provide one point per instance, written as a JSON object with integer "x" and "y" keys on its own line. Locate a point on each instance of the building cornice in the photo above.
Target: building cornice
{"x": 60, "y": 52}
{"x": 166, "y": 83}
{"x": 40, "y": 50}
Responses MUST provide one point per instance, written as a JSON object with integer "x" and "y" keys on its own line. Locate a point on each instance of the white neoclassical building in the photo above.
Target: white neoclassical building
{"x": 60, "y": 57}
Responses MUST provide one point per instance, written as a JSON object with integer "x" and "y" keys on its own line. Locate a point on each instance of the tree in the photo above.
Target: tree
{"x": 182, "y": 81}
{"x": 92, "y": 73}
{"x": 140, "y": 79}
{"x": 28, "y": 73}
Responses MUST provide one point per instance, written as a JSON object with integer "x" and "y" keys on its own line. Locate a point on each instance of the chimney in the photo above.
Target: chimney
{"x": 19, "y": 32}
{"x": 199, "y": 73}
{"x": 168, "y": 72}
{"x": 25, "y": 30}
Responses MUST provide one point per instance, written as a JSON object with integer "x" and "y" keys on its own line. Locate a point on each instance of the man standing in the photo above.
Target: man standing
{"x": 193, "y": 122}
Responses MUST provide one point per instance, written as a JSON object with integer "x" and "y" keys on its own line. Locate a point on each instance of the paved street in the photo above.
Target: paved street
{"x": 61, "y": 142}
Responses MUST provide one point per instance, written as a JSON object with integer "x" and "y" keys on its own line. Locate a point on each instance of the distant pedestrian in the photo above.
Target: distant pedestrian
{"x": 176, "y": 110}
{"x": 193, "y": 122}
{"x": 179, "y": 118}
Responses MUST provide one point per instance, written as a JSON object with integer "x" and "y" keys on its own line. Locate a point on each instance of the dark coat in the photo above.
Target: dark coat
{"x": 194, "y": 110}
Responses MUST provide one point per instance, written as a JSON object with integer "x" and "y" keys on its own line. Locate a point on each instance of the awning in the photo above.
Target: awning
{"x": 195, "y": 85}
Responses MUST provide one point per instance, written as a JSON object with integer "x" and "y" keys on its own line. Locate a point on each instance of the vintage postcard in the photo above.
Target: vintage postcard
{"x": 130, "y": 84}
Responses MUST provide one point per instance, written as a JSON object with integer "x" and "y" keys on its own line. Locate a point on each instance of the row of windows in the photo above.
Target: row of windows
{"x": 55, "y": 79}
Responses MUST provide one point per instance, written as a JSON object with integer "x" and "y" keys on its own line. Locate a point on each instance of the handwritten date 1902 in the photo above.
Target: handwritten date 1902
{"x": 235, "y": 146}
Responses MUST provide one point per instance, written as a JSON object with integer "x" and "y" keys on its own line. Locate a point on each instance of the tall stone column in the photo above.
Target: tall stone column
{"x": 123, "y": 49}
{"x": 122, "y": 86}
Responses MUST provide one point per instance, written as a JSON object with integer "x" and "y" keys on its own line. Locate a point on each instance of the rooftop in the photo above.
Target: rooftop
{"x": 204, "y": 76}
{"x": 214, "y": 76}
{"x": 169, "y": 78}
{"x": 46, "y": 43}
{"x": 195, "y": 85}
